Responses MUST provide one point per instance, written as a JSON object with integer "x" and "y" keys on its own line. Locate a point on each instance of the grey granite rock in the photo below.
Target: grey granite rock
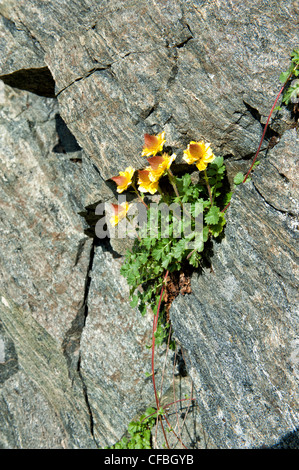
{"x": 56, "y": 285}
{"x": 196, "y": 70}
{"x": 39, "y": 407}
{"x": 18, "y": 49}
{"x": 142, "y": 70}
{"x": 44, "y": 252}
{"x": 126, "y": 69}
{"x": 239, "y": 327}
{"x": 45, "y": 258}
{"x": 114, "y": 353}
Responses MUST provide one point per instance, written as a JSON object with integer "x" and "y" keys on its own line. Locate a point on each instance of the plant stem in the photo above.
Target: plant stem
{"x": 208, "y": 186}
{"x": 265, "y": 129}
{"x": 266, "y": 125}
{"x": 133, "y": 228}
{"x": 162, "y": 195}
{"x": 138, "y": 195}
{"x": 155, "y": 323}
{"x": 173, "y": 183}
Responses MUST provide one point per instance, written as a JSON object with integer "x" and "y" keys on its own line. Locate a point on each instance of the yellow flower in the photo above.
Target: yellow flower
{"x": 124, "y": 179}
{"x": 120, "y": 212}
{"x": 159, "y": 164}
{"x": 146, "y": 185}
{"x": 153, "y": 144}
{"x": 199, "y": 153}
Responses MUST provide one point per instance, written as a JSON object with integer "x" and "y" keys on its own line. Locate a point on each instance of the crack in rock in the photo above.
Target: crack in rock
{"x": 72, "y": 342}
{"x": 86, "y": 75}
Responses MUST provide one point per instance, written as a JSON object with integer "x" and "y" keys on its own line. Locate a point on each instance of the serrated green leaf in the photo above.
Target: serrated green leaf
{"x": 227, "y": 198}
{"x": 212, "y": 216}
{"x": 186, "y": 180}
{"x": 239, "y": 177}
{"x": 198, "y": 244}
{"x": 194, "y": 260}
{"x": 134, "y": 301}
{"x": 166, "y": 261}
{"x": 157, "y": 253}
{"x": 178, "y": 249}
{"x": 218, "y": 162}
{"x": 291, "y": 93}
{"x": 283, "y": 76}
{"x": 197, "y": 208}
{"x": 216, "y": 229}
{"x": 205, "y": 233}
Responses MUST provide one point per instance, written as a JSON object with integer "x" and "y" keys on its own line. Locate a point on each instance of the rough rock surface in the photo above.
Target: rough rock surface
{"x": 61, "y": 388}
{"x": 137, "y": 66}
{"x": 239, "y": 327}
{"x": 173, "y": 77}
{"x": 44, "y": 252}
{"x": 39, "y": 407}
{"x": 107, "y": 72}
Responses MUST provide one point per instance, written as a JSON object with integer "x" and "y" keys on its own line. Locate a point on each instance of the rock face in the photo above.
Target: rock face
{"x": 94, "y": 76}
{"x": 240, "y": 326}
{"x": 61, "y": 388}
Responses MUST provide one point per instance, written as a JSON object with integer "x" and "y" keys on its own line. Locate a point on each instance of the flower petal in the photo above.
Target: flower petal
{"x": 146, "y": 184}
{"x": 199, "y": 153}
{"x": 153, "y": 144}
{"x": 120, "y": 212}
{"x": 124, "y": 179}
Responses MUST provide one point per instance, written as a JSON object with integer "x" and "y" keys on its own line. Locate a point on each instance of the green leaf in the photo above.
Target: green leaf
{"x": 157, "y": 253}
{"x": 142, "y": 308}
{"x": 216, "y": 229}
{"x": 205, "y": 233}
{"x": 213, "y": 215}
{"x": 197, "y": 209}
{"x": 178, "y": 249}
{"x": 198, "y": 242}
{"x": 291, "y": 93}
{"x": 218, "y": 162}
{"x": 148, "y": 374}
{"x": 186, "y": 181}
{"x": 166, "y": 261}
{"x": 283, "y": 76}
{"x": 295, "y": 56}
{"x": 194, "y": 259}
{"x": 227, "y": 198}
{"x": 239, "y": 177}
{"x": 150, "y": 411}
{"x": 134, "y": 301}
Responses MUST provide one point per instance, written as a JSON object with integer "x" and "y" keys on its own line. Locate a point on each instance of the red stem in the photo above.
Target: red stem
{"x": 265, "y": 129}
{"x": 264, "y": 132}
{"x": 155, "y": 323}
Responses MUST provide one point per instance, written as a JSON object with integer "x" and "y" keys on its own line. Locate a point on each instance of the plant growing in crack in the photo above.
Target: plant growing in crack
{"x": 290, "y": 95}
{"x": 174, "y": 232}
{"x": 154, "y": 258}
{"x": 176, "y": 229}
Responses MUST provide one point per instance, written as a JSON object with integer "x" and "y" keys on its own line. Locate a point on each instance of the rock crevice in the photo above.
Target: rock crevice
{"x": 81, "y": 82}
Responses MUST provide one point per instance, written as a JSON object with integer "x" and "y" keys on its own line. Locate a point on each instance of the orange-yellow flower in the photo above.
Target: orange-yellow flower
{"x": 153, "y": 144}
{"x": 145, "y": 184}
{"x": 159, "y": 164}
{"x": 120, "y": 212}
{"x": 124, "y": 179}
{"x": 199, "y": 153}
